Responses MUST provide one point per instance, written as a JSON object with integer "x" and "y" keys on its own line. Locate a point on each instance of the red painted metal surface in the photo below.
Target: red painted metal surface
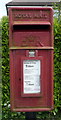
{"x": 31, "y": 29}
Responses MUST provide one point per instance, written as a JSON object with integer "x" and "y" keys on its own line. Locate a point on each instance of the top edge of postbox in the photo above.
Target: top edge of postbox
{"x": 31, "y": 7}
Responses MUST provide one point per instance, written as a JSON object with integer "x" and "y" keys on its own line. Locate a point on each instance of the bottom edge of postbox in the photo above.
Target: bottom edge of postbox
{"x": 31, "y": 109}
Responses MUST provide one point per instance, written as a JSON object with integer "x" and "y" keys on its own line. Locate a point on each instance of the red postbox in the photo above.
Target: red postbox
{"x": 31, "y": 58}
